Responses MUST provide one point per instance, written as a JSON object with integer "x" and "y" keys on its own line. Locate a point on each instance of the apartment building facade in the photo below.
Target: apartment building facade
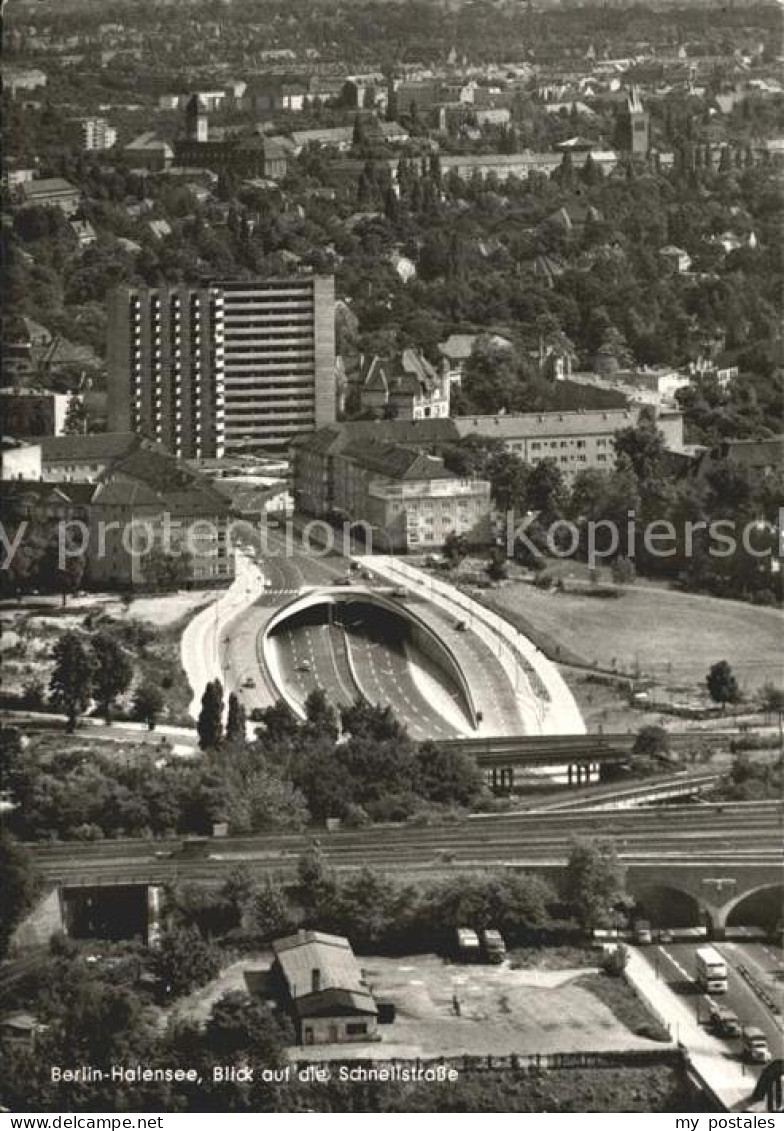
{"x": 406, "y": 496}
{"x": 97, "y": 134}
{"x": 166, "y": 369}
{"x": 279, "y": 359}
{"x": 576, "y": 441}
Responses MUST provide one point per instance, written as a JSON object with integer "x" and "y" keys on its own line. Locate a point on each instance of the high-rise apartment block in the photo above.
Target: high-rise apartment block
{"x": 166, "y": 370}
{"x": 235, "y": 365}
{"x": 280, "y": 359}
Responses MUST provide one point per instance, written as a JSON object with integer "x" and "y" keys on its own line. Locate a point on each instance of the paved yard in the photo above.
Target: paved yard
{"x": 502, "y": 1011}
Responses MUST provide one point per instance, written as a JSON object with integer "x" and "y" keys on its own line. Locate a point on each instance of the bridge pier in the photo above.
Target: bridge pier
{"x": 154, "y": 904}
{"x": 502, "y": 779}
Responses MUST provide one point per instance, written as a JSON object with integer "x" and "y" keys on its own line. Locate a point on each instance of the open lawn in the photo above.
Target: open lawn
{"x": 674, "y": 637}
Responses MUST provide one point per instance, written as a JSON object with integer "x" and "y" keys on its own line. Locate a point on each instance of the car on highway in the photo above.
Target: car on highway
{"x": 249, "y": 682}
{"x": 666, "y": 935}
{"x": 461, "y": 626}
{"x": 642, "y": 933}
{"x": 304, "y": 666}
{"x": 400, "y": 593}
{"x": 723, "y": 1021}
{"x": 754, "y": 1046}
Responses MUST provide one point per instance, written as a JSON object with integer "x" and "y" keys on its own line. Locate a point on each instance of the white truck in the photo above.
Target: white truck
{"x": 711, "y": 970}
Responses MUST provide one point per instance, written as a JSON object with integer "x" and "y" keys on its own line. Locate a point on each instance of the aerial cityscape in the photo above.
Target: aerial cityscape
{"x": 392, "y": 702}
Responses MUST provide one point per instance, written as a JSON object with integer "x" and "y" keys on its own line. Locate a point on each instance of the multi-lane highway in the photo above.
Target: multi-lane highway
{"x": 312, "y": 655}
{"x": 675, "y": 964}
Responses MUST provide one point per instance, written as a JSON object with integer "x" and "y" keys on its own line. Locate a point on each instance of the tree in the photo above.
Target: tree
{"x": 490, "y": 380}
{"x": 235, "y": 720}
{"x": 322, "y": 720}
{"x": 184, "y": 960}
{"x": 113, "y": 672}
{"x": 238, "y": 889}
{"x": 772, "y": 699}
{"x": 279, "y": 722}
{"x": 496, "y": 568}
{"x": 545, "y": 490}
{"x": 71, "y": 683}
{"x": 209, "y": 724}
{"x": 312, "y": 872}
{"x": 19, "y": 884}
{"x": 652, "y": 742}
{"x": 594, "y": 884}
{"x": 147, "y": 704}
{"x": 75, "y": 423}
{"x": 371, "y": 720}
{"x": 722, "y": 684}
{"x": 448, "y": 777}
{"x": 164, "y": 571}
{"x": 242, "y": 1027}
{"x": 615, "y": 961}
{"x": 455, "y": 548}
{"x": 644, "y": 447}
{"x": 623, "y": 571}
{"x": 271, "y": 913}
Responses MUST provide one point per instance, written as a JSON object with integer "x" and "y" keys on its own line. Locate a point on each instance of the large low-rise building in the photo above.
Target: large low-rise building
{"x": 137, "y": 504}
{"x": 405, "y": 496}
{"x": 575, "y": 441}
{"x": 33, "y": 412}
{"x": 50, "y": 192}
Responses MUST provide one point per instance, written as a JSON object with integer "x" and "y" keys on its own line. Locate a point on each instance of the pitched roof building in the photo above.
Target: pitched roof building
{"x": 324, "y": 989}
{"x": 405, "y": 385}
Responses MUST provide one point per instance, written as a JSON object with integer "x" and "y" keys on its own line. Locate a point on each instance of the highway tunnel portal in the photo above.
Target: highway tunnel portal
{"x": 363, "y": 610}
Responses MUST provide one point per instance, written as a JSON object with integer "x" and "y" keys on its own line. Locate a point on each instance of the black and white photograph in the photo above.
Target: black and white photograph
{"x": 391, "y": 539}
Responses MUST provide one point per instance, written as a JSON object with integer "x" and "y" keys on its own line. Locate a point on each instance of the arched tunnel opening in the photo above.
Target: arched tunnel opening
{"x": 761, "y": 909}
{"x": 107, "y": 913}
{"x": 667, "y": 907}
{"x": 356, "y": 647}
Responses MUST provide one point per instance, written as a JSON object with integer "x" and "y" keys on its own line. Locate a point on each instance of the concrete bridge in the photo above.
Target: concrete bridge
{"x": 714, "y": 895}
{"x": 717, "y": 892}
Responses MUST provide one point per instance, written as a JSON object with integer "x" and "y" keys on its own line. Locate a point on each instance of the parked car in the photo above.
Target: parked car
{"x": 494, "y": 946}
{"x": 468, "y": 949}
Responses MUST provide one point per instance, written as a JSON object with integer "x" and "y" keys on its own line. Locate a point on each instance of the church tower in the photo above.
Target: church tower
{"x": 196, "y": 121}
{"x": 638, "y": 125}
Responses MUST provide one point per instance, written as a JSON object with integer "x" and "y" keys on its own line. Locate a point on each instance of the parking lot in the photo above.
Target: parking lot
{"x": 450, "y": 1010}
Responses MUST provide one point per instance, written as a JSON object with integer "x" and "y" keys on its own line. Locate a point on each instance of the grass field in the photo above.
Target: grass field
{"x": 672, "y": 636}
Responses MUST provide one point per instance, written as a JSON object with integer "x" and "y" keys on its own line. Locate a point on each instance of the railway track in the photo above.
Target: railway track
{"x": 709, "y": 834}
